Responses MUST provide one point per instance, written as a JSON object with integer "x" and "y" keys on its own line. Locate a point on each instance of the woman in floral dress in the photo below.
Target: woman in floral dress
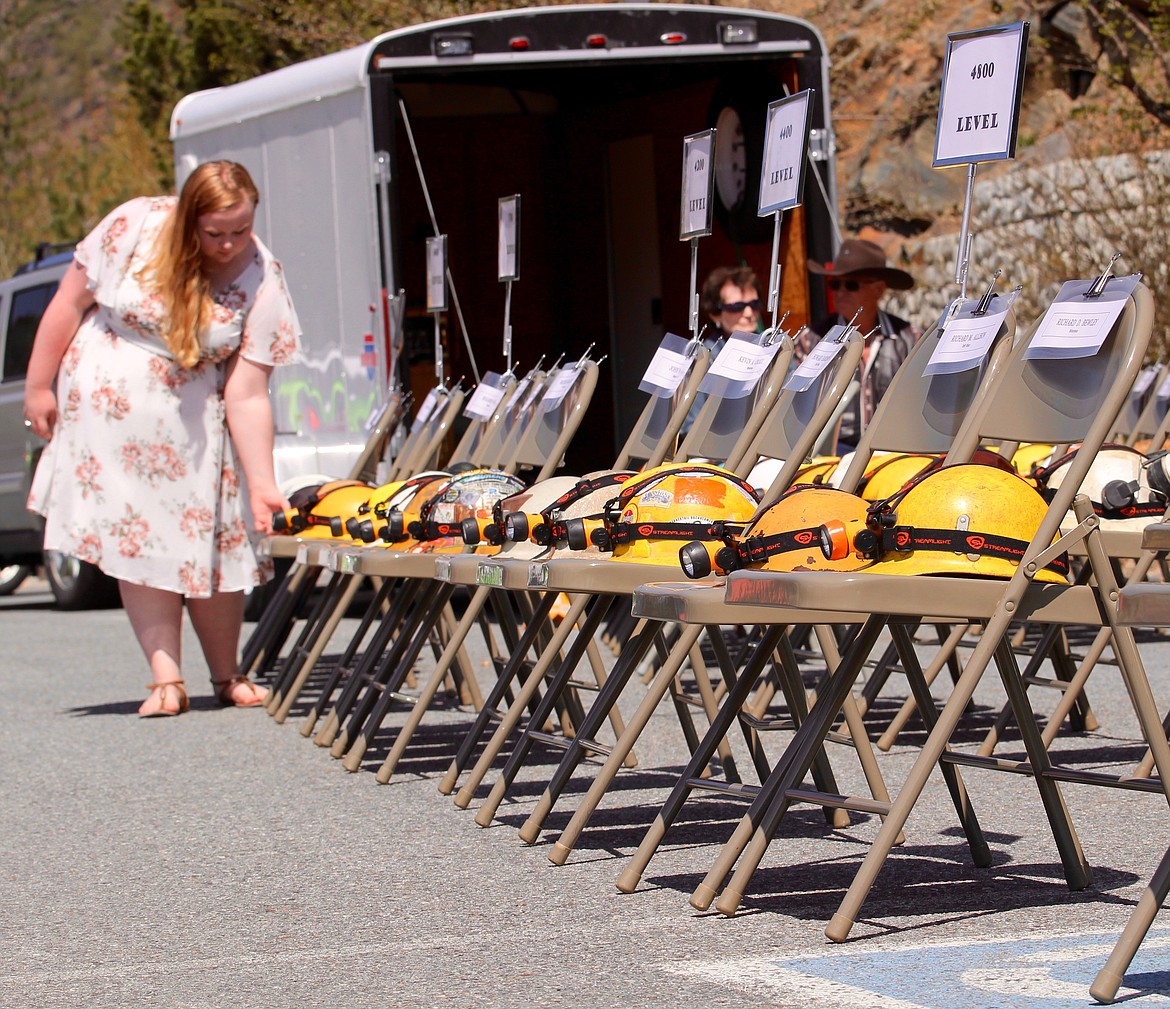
{"x": 161, "y": 338}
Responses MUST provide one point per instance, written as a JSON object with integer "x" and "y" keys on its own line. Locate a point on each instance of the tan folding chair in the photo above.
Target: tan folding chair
{"x": 1036, "y": 400}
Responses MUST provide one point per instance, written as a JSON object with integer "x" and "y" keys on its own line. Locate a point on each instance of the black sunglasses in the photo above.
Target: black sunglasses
{"x": 738, "y": 306}
{"x": 851, "y": 286}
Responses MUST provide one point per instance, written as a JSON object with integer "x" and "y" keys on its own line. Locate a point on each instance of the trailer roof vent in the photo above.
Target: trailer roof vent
{"x": 519, "y": 42}
{"x": 453, "y": 45}
{"x": 738, "y": 33}
{"x": 672, "y": 38}
{"x": 596, "y": 41}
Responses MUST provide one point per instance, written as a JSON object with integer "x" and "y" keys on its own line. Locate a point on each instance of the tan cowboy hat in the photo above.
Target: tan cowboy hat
{"x": 856, "y": 255}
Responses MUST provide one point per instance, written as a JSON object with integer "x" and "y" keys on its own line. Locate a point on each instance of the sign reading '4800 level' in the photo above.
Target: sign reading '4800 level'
{"x": 978, "y": 111}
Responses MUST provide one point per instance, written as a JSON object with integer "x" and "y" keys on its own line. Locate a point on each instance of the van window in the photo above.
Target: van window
{"x": 27, "y": 308}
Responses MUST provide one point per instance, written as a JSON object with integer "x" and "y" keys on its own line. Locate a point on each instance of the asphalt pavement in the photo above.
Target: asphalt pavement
{"x": 220, "y": 859}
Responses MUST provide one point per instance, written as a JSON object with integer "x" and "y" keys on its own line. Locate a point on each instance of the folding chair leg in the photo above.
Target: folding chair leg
{"x": 349, "y": 660}
{"x": 737, "y": 695}
{"x": 795, "y": 760}
{"x": 580, "y": 745}
{"x": 944, "y": 658}
{"x": 1076, "y": 869}
{"x": 1109, "y": 977}
{"x": 427, "y": 695}
{"x": 389, "y": 635}
{"x": 510, "y": 672}
{"x": 277, "y": 615}
{"x": 378, "y": 700}
{"x": 293, "y": 690}
{"x": 543, "y": 710}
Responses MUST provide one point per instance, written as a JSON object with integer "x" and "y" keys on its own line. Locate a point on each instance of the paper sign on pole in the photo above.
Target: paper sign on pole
{"x": 785, "y": 148}
{"x": 667, "y": 368}
{"x": 979, "y": 109}
{"x": 437, "y": 274}
{"x": 508, "y": 254}
{"x": 698, "y": 184}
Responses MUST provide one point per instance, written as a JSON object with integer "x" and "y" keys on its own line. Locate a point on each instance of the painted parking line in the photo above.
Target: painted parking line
{"x": 1030, "y": 971}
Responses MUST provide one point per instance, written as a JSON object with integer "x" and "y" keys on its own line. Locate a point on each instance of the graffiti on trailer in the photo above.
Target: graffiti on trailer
{"x": 304, "y": 406}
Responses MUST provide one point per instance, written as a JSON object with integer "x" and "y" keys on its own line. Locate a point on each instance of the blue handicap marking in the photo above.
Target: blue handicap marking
{"x": 1025, "y": 972}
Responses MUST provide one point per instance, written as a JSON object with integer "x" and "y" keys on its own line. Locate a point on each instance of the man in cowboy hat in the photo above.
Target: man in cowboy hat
{"x": 858, "y": 279}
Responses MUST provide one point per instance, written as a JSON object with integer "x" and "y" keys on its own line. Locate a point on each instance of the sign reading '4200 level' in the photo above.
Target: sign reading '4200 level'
{"x": 978, "y": 112}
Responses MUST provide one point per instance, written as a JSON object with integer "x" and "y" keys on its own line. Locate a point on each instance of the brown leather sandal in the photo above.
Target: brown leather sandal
{"x": 163, "y": 712}
{"x": 223, "y": 693}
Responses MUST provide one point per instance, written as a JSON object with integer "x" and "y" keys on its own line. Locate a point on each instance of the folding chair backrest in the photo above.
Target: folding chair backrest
{"x": 425, "y": 451}
{"x": 794, "y": 424}
{"x": 498, "y": 449}
{"x": 1141, "y": 413}
{"x": 924, "y": 413}
{"x": 1069, "y": 401}
{"x": 365, "y": 467}
{"x": 1152, "y": 422}
{"x": 549, "y": 433}
{"x": 655, "y": 432}
{"x": 478, "y": 431}
{"x": 724, "y": 428}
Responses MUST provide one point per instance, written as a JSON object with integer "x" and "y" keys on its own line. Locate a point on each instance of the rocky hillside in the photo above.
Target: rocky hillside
{"x": 61, "y": 65}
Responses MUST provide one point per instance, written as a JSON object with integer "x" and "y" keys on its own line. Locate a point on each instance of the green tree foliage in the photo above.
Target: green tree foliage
{"x": 1135, "y": 41}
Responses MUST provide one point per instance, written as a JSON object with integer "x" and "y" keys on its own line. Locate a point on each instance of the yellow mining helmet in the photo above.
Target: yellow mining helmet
{"x": 468, "y": 496}
{"x": 303, "y": 500}
{"x": 967, "y": 519}
{"x": 671, "y": 504}
{"x": 786, "y": 536}
{"x": 327, "y": 518}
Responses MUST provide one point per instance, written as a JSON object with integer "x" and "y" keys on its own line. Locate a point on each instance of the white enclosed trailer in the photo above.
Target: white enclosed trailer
{"x": 582, "y": 111}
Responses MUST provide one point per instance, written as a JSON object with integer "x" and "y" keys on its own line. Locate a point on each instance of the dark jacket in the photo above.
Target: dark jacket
{"x": 895, "y": 338}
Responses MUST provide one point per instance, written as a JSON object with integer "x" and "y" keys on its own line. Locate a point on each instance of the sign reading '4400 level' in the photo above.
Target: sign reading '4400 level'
{"x": 785, "y": 150}
{"x": 979, "y": 110}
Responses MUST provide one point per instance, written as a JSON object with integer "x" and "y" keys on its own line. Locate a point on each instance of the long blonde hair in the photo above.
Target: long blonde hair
{"x": 176, "y": 269}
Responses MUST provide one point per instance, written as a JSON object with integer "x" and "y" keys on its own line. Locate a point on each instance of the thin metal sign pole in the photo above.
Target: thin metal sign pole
{"x": 508, "y": 325}
{"x": 774, "y": 269}
{"x": 694, "y": 321}
{"x": 438, "y": 350}
{"x": 963, "y": 262}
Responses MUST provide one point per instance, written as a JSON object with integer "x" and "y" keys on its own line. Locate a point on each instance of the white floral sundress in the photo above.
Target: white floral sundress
{"x": 141, "y": 477}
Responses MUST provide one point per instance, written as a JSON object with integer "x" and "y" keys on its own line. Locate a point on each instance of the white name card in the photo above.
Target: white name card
{"x": 743, "y": 361}
{"x": 964, "y": 343}
{"x": 816, "y": 361}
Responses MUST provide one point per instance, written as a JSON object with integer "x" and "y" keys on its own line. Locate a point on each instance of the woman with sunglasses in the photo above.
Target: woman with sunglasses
{"x": 858, "y": 279}
{"x": 731, "y": 301}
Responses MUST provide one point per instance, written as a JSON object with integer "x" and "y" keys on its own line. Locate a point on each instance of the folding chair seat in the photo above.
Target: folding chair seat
{"x": 1063, "y": 402}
